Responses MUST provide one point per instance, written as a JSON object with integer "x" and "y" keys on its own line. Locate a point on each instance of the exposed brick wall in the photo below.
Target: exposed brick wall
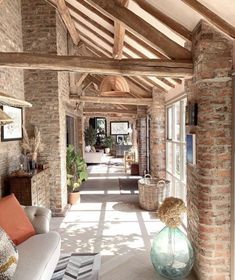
{"x": 63, "y": 89}
{"x": 157, "y": 136}
{"x": 209, "y": 181}
{"x": 48, "y": 91}
{"x": 11, "y": 80}
{"x": 141, "y": 138}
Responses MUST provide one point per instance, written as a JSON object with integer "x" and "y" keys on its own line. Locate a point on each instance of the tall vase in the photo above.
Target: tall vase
{"x": 172, "y": 254}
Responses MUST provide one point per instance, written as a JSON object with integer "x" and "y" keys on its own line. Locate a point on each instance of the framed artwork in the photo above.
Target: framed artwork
{"x": 120, "y": 139}
{"x": 117, "y": 128}
{"x": 191, "y": 148}
{"x": 191, "y": 114}
{"x": 12, "y": 131}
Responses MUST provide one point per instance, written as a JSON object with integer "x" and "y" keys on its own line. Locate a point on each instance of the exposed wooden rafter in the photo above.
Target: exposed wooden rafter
{"x": 113, "y": 100}
{"x": 126, "y": 67}
{"x": 211, "y": 16}
{"x": 75, "y": 12}
{"x": 119, "y": 34}
{"x": 64, "y": 12}
{"x": 171, "y": 23}
{"x": 140, "y": 27}
{"x": 81, "y": 79}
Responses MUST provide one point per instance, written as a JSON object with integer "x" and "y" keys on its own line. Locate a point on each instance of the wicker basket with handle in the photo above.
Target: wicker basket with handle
{"x": 152, "y": 191}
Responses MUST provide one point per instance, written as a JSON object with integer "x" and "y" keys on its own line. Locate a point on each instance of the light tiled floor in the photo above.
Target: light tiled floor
{"x": 110, "y": 223}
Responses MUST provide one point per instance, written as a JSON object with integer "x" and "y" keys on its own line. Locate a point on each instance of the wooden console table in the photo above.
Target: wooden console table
{"x": 32, "y": 189}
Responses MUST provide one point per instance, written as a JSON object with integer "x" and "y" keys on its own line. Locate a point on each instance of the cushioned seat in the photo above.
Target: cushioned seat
{"x": 38, "y": 257}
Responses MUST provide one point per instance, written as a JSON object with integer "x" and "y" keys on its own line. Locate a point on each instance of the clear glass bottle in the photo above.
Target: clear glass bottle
{"x": 172, "y": 254}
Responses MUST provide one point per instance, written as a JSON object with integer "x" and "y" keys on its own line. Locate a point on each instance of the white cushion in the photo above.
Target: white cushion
{"x": 38, "y": 257}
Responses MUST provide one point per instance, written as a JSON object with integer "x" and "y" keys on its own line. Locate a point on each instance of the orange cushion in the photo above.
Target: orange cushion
{"x": 14, "y": 220}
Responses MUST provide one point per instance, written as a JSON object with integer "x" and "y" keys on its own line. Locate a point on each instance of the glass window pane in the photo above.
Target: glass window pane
{"x": 183, "y": 108}
{"x": 169, "y": 156}
{"x": 169, "y": 123}
{"x": 177, "y": 159}
{"x": 177, "y": 121}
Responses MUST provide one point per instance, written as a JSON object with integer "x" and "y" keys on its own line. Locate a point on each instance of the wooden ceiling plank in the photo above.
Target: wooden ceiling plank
{"x": 94, "y": 32}
{"x": 105, "y": 51}
{"x": 95, "y": 11}
{"x": 140, "y": 27}
{"x": 166, "y": 82}
{"x": 211, "y": 17}
{"x": 113, "y": 100}
{"x": 155, "y": 84}
{"x": 64, "y": 12}
{"x": 166, "y": 20}
{"x": 90, "y": 20}
{"x": 96, "y": 65}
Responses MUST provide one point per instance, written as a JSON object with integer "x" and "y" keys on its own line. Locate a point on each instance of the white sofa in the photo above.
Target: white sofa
{"x": 38, "y": 255}
{"x": 93, "y": 157}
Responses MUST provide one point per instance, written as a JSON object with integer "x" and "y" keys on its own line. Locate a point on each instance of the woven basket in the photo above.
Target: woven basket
{"x": 152, "y": 191}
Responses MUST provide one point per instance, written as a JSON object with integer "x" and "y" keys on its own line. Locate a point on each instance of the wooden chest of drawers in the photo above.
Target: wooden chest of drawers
{"x": 32, "y": 189}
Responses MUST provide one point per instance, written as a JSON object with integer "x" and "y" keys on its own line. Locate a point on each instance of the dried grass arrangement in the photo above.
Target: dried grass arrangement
{"x": 170, "y": 211}
{"x": 32, "y": 145}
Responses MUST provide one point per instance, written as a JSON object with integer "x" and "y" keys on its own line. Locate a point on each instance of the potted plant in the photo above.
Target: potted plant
{"x": 90, "y": 138}
{"x": 76, "y": 173}
{"x": 108, "y": 143}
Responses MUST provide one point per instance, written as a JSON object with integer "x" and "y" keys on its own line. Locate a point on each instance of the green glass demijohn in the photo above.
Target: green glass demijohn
{"x": 172, "y": 254}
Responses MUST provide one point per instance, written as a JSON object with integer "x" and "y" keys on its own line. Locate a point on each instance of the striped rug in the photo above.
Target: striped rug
{"x": 78, "y": 266}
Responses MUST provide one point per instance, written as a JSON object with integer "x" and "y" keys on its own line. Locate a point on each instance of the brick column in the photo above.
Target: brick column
{"x": 157, "y": 135}
{"x": 209, "y": 181}
{"x": 48, "y": 91}
{"x": 141, "y": 138}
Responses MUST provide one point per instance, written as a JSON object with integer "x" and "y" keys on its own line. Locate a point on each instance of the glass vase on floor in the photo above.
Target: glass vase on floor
{"x": 172, "y": 254}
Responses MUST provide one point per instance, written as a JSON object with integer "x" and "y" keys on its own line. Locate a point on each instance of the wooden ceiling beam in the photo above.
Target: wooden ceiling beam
{"x": 143, "y": 29}
{"x": 115, "y": 94}
{"x": 166, "y": 20}
{"x": 64, "y": 13}
{"x": 119, "y": 34}
{"x": 96, "y": 65}
{"x": 97, "y": 110}
{"x": 211, "y": 17}
{"x": 113, "y": 100}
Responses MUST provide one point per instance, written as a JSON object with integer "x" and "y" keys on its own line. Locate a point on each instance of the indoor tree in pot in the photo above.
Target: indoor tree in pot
{"x": 90, "y": 138}
{"x": 76, "y": 173}
{"x": 108, "y": 143}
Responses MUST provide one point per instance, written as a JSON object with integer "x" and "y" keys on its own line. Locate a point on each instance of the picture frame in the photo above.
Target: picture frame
{"x": 191, "y": 148}
{"x": 119, "y": 127}
{"x": 120, "y": 139}
{"x": 12, "y": 131}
